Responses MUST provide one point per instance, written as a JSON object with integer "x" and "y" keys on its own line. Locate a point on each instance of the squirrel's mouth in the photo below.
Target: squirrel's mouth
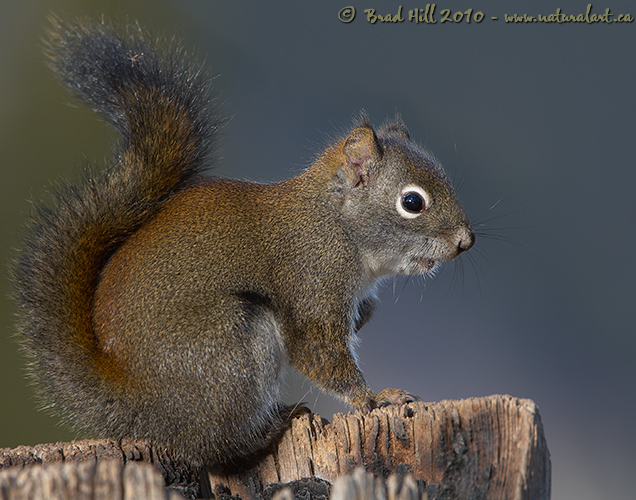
{"x": 426, "y": 265}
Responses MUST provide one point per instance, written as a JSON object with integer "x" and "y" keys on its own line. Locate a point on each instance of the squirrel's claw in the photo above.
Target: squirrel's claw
{"x": 391, "y": 396}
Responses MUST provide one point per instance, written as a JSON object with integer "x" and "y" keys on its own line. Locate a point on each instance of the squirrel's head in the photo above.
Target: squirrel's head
{"x": 397, "y": 202}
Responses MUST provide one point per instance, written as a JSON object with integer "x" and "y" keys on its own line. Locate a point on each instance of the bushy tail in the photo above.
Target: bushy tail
{"x": 161, "y": 106}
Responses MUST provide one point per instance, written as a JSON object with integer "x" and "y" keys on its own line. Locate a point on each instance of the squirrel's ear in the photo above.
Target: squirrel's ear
{"x": 360, "y": 149}
{"x": 396, "y": 128}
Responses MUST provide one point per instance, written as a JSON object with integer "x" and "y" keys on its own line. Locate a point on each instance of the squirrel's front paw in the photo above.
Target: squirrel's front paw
{"x": 394, "y": 397}
{"x": 387, "y": 397}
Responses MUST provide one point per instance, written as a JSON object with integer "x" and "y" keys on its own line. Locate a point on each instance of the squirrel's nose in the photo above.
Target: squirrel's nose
{"x": 466, "y": 240}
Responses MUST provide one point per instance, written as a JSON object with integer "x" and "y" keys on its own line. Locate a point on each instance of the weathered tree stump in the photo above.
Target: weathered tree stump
{"x": 490, "y": 448}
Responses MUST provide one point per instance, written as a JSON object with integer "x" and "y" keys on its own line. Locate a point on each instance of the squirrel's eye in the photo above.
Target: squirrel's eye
{"x": 412, "y": 202}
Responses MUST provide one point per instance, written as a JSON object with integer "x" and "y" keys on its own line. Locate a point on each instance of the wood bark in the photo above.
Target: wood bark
{"x": 479, "y": 448}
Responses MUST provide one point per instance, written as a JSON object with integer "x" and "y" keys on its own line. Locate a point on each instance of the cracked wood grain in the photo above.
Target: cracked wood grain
{"x": 491, "y": 448}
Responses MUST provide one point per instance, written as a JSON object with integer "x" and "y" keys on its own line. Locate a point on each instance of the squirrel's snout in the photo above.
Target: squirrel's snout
{"x": 466, "y": 240}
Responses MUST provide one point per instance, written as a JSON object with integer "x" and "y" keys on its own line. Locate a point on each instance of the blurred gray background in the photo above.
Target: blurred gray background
{"x": 537, "y": 119}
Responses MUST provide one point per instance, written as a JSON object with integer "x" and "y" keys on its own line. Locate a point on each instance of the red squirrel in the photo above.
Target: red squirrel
{"x": 162, "y": 304}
